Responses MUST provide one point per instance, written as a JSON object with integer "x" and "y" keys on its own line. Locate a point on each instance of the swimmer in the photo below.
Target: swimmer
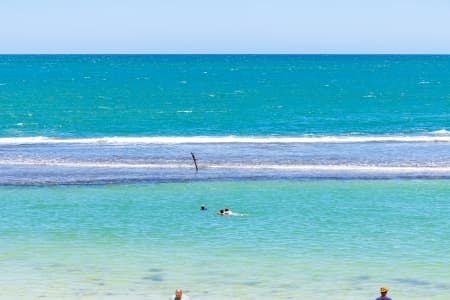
{"x": 179, "y": 295}
{"x": 203, "y": 207}
{"x": 228, "y": 212}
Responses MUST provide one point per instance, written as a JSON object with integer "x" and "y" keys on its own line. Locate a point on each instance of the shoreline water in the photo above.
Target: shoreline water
{"x": 304, "y": 238}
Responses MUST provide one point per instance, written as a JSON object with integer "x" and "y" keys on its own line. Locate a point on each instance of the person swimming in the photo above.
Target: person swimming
{"x": 203, "y": 207}
{"x": 228, "y": 212}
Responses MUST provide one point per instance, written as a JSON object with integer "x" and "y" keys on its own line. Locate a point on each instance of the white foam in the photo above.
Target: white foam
{"x": 81, "y": 164}
{"x": 340, "y": 168}
{"x": 424, "y": 82}
{"x": 436, "y": 137}
{"x": 442, "y": 131}
{"x": 372, "y": 169}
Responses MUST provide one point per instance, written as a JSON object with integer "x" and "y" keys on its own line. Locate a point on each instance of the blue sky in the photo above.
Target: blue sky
{"x": 228, "y": 26}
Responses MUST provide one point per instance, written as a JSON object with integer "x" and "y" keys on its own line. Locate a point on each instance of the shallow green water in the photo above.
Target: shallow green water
{"x": 314, "y": 239}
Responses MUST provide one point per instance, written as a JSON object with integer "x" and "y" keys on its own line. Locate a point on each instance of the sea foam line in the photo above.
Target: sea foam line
{"x": 110, "y": 165}
{"x": 227, "y": 139}
{"x": 225, "y": 166}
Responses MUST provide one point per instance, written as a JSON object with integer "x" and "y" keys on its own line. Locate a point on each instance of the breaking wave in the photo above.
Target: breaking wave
{"x": 442, "y": 136}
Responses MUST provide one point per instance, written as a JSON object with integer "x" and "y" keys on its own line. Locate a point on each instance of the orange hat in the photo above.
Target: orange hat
{"x": 384, "y": 290}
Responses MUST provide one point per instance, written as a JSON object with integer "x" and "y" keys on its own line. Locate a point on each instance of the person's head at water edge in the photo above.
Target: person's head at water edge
{"x": 179, "y": 295}
{"x": 383, "y": 292}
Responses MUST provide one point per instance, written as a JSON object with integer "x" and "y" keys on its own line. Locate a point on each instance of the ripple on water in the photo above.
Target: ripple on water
{"x": 411, "y": 281}
{"x": 157, "y": 278}
{"x": 361, "y": 278}
{"x": 155, "y": 270}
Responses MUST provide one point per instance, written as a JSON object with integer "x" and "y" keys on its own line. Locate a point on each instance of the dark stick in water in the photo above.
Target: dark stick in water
{"x": 195, "y": 162}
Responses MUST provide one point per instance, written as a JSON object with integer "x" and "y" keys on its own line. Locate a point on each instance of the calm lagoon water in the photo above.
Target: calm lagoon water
{"x": 297, "y": 239}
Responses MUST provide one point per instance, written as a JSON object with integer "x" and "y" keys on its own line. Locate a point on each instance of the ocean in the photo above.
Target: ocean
{"x": 338, "y": 164}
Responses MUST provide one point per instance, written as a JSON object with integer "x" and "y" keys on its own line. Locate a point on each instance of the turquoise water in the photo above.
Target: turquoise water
{"x": 151, "y": 95}
{"x": 297, "y": 239}
{"x": 87, "y": 119}
{"x": 339, "y": 165}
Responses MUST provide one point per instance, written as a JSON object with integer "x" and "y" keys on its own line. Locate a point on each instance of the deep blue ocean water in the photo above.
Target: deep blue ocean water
{"x": 217, "y": 95}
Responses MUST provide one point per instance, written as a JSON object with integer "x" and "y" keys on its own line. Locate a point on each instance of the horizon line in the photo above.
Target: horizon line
{"x": 224, "y": 53}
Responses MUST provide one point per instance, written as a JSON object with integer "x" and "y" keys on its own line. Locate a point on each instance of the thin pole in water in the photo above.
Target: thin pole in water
{"x": 195, "y": 161}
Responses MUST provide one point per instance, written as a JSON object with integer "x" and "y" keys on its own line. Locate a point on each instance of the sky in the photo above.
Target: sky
{"x": 225, "y": 26}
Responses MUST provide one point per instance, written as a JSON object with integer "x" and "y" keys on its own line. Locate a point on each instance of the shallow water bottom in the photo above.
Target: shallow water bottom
{"x": 297, "y": 239}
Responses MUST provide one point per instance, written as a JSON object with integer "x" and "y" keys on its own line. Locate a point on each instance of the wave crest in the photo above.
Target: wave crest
{"x": 442, "y": 131}
{"x": 234, "y": 166}
{"x": 442, "y": 136}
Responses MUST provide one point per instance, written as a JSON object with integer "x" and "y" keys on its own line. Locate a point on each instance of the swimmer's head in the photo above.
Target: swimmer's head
{"x": 203, "y": 207}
